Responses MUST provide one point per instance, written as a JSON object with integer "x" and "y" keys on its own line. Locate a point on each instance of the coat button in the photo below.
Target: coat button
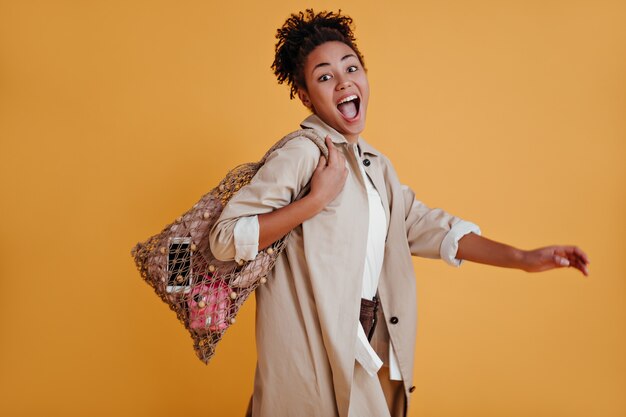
{"x": 394, "y": 320}
{"x": 366, "y": 162}
{"x": 412, "y": 388}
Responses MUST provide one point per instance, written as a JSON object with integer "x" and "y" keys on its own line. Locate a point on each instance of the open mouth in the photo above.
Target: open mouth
{"x": 349, "y": 107}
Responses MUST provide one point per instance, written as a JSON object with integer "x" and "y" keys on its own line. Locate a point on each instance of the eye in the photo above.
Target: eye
{"x": 353, "y": 68}
{"x": 324, "y": 77}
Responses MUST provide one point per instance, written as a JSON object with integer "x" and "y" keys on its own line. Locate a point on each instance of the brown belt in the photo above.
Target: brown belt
{"x": 368, "y": 316}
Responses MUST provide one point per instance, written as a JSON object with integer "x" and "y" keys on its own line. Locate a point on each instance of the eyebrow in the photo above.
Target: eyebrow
{"x": 323, "y": 64}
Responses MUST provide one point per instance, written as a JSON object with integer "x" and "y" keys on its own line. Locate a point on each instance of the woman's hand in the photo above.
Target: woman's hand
{"x": 329, "y": 176}
{"x": 551, "y": 257}
{"x": 326, "y": 183}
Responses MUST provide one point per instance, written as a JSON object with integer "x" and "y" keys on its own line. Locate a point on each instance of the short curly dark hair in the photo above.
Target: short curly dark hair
{"x": 300, "y": 35}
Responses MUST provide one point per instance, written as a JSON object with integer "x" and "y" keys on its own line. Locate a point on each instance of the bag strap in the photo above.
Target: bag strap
{"x": 316, "y": 139}
{"x": 311, "y": 135}
{"x": 308, "y": 133}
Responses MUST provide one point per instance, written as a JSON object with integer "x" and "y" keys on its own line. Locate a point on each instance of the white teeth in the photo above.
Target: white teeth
{"x": 349, "y": 98}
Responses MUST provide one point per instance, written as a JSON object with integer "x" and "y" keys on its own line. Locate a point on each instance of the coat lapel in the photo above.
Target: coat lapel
{"x": 374, "y": 172}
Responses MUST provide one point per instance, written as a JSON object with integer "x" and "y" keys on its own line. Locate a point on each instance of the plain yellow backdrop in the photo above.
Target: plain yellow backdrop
{"x": 116, "y": 116}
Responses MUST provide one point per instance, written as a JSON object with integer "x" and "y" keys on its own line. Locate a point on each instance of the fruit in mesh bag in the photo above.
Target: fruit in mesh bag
{"x": 209, "y": 303}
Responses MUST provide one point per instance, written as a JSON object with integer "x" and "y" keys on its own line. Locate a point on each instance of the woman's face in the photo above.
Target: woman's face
{"x": 337, "y": 90}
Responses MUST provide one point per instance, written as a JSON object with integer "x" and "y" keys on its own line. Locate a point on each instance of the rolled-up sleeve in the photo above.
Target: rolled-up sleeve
{"x": 433, "y": 233}
{"x": 246, "y": 237}
{"x": 450, "y": 244}
{"x": 276, "y": 184}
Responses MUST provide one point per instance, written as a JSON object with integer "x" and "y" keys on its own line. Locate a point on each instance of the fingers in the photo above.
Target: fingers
{"x": 573, "y": 252}
{"x": 582, "y": 267}
{"x": 571, "y": 256}
{"x": 579, "y": 260}
{"x": 332, "y": 151}
{"x": 332, "y": 154}
{"x": 582, "y": 255}
{"x": 561, "y": 261}
{"x": 321, "y": 163}
{"x": 330, "y": 175}
{"x": 335, "y": 158}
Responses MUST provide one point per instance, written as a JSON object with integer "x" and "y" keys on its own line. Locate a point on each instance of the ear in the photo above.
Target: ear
{"x": 304, "y": 98}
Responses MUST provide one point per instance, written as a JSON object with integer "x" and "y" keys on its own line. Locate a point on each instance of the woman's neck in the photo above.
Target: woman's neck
{"x": 352, "y": 138}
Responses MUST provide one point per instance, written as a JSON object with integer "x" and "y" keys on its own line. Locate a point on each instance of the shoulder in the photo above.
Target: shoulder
{"x": 296, "y": 149}
{"x": 295, "y": 156}
{"x": 302, "y": 145}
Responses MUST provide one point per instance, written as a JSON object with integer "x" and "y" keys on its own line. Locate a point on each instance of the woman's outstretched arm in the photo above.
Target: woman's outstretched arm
{"x": 475, "y": 248}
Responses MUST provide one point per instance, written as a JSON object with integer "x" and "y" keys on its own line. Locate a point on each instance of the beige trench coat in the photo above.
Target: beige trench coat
{"x": 307, "y": 312}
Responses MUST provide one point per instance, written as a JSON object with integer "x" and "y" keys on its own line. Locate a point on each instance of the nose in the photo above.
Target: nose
{"x": 343, "y": 83}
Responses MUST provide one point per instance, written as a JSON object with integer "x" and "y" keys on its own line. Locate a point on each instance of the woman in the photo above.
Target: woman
{"x": 348, "y": 257}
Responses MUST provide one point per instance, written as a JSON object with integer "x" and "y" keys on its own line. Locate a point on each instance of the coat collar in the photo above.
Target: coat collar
{"x": 314, "y": 122}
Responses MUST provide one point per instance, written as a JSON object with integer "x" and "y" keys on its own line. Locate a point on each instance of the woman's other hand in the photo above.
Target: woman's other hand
{"x": 475, "y": 248}
{"x": 551, "y": 257}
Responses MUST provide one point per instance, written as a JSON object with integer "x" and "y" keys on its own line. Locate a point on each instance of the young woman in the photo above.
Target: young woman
{"x": 336, "y": 320}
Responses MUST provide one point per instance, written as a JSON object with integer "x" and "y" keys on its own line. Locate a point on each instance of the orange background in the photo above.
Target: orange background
{"x": 115, "y": 116}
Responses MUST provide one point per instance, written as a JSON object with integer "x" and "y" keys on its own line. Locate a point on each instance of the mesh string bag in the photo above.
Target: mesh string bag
{"x": 178, "y": 264}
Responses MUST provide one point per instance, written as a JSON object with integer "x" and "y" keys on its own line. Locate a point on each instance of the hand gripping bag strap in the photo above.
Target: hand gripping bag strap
{"x": 178, "y": 264}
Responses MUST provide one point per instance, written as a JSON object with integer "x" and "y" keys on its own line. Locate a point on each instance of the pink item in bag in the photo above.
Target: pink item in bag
{"x": 208, "y": 306}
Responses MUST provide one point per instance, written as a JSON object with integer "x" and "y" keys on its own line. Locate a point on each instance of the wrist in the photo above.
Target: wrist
{"x": 520, "y": 259}
{"x": 313, "y": 203}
